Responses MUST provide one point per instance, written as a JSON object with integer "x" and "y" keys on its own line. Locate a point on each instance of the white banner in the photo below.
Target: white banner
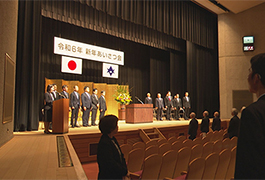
{"x": 110, "y": 70}
{"x": 71, "y": 65}
{"x": 87, "y": 51}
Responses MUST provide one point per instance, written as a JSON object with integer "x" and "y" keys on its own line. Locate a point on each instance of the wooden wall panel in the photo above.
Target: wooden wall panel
{"x": 113, "y": 106}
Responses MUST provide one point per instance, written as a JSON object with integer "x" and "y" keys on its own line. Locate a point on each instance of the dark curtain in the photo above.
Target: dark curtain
{"x": 202, "y": 79}
{"x": 28, "y": 88}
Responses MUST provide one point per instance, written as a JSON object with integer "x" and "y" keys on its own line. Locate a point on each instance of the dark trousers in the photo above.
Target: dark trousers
{"x": 192, "y": 137}
{"x": 187, "y": 112}
{"x": 177, "y": 113}
{"x": 93, "y": 117}
{"x": 159, "y": 114}
{"x": 74, "y": 115}
{"x": 102, "y": 113}
{"x": 85, "y": 117}
{"x": 168, "y": 112}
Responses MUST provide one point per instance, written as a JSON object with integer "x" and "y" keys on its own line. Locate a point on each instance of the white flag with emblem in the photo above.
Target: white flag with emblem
{"x": 71, "y": 65}
{"x": 110, "y": 70}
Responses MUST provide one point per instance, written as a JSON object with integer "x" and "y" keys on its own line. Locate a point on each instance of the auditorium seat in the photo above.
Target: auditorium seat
{"x": 182, "y": 161}
{"x": 171, "y": 139}
{"x": 125, "y": 149}
{"x": 140, "y": 145}
{"x": 211, "y": 163}
{"x": 207, "y": 138}
{"x": 168, "y": 164}
{"x": 215, "y": 136}
{"x": 233, "y": 142}
{"x": 150, "y": 143}
{"x": 217, "y": 146}
{"x": 151, "y": 150}
{"x": 224, "y": 159}
{"x": 231, "y": 167}
{"x": 151, "y": 168}
{"x": 196, "y": 152}
{"x": 161, "y": 141}
{"x": 135, "y": 160}
{"x": 197, "y": 140}
{"x": 164, "y": 148}
{"x": 195, "y": 169}
{"x": 177, "y": 145}
{"x": 188, "y": 143}
{"x": 226, "y": 144}
{"x": 207, "y": 149}
{"x": 181, "y": 138}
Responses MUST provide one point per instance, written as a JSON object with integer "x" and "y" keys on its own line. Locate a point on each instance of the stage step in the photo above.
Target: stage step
{"x": 151, "y": 134}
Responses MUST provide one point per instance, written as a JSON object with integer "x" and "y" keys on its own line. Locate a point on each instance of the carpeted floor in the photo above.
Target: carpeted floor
{"x": 91, "y": 170}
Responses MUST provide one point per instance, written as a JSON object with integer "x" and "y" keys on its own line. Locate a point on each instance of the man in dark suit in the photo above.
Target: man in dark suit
{"x": 193, "y": 126}
{"x": 216, "y": 125}
{"x": 159, "y": 107}
{"x": 56, "y": 94}
{"x": 177, "y": 105}
{"x": 102, "y": 104}
{"x": 75, "y": 105}
{"x": 64, "y": 94}
{"x": 205, "y": 124}
{"x": 95, "y": 106}
{"x": 186, "y": 105}
{"x": 168, "y": 104}
{"x": 250, "y": 156}
{"x": 233, "y": 124}
{"x": 148, "y": 99}
{"x": 86, "y": 106}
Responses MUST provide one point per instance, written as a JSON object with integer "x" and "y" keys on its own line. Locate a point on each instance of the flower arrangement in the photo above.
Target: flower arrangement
{"x": 122, "y": 95}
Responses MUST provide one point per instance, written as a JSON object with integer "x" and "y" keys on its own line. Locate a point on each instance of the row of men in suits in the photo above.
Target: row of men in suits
{"x": 89, "y": 103}
{"x": 168, "y": 103}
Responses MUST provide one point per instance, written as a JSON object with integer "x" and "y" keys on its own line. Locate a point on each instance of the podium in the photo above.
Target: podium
{"x": 60, "y": 116}
{"x": 139, "y": 113}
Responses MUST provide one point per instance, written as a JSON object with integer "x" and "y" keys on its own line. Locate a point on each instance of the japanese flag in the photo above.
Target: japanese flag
{"x": 71, "y": 65}
{"x": 110, "y": 70}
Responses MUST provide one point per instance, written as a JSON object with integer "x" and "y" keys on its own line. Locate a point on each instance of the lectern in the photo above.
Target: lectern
{"x": 139, "y": 113}
{"x": 60, "y": 116}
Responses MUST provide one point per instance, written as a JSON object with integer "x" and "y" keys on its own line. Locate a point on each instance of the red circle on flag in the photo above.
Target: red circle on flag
{"x": 72, "y": 65}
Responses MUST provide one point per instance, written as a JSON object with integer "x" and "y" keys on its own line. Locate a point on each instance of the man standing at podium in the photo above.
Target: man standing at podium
{"x": 148, "y": 99}
{"x": 102, "y": 104}
{"x": 64, "y": 94}
{"x": 86, "y": 106}
{"x": 75, "y": 105}
{"x": 159, "y": 107}
{"x": 95, "y": 106}
{"x": 55, "y": 92}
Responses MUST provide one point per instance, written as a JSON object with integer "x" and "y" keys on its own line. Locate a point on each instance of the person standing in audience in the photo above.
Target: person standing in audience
{"x": 75, "y": 105}
{"x": 95, "y": 106}
{"x": 64, "y": 94}
{"x": 102, "y": 104}
{"x": 186, "y": 105}
{"x": 250, "y": 156}
{"x": 148, "y": 99}
{"x": 168, "y": 104}
{"x": 193, "y": 126}
{"x": 48, "y": 98}
{"x": 86, "y": 106}
{"x": 159, "y": 107}
{"x": 55, "y": 92}
{"x": 177, "y": 105}
{"x": 216, "y": 125}
{"x": 233, "y": 124}
{"x": 110, "y": 159}
{"x": 205, "y": 124}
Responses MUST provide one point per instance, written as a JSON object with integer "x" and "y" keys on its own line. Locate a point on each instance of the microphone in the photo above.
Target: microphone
{"x": 62, "y": 96}
{"x": 139, "y": 99}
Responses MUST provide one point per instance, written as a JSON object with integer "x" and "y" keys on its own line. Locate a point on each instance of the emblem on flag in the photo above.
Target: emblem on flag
{"x": 110, "y": 70}
{"x": 71, "y": 65}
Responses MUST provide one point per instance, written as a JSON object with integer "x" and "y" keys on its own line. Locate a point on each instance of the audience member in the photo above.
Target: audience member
{"x": 233, "y": 124}
{"x": 205, "y": 124}
{"x": 216, "y": 125}
{"x": 193, "y": 126}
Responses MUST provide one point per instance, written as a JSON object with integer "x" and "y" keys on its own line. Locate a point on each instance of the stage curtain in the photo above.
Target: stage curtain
{"x": 27, "y": 80}
{"x": 153, "y": 23}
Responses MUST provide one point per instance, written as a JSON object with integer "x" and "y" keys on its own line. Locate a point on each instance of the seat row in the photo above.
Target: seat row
{"x": 177, "y": 165}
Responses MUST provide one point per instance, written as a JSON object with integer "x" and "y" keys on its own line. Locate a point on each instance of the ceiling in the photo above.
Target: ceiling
{"x": 235, "y": 6}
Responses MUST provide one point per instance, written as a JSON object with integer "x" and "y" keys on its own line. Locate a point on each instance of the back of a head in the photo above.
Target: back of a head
{"x": 107, "y": 124}
{"x": 234, "y": 111}
{"x": 258, "y": 66}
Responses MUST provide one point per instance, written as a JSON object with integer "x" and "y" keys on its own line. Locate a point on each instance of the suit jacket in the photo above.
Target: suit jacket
{"x": 56, "y": 95}
{"x": 185, "y": 102}
{"x": 148, "y": 100}
{"x": 74, "y": 100}
{"x": 168, "y": 102}
{"x": 250, "y": 156}
{"x": 233, "y": 128}
{"x": 102, "y": 103}
{"x": 193, "y": 127}
{"x": 205, "y": 124}
{"x": 94, "y": 101}
{"x": 48, "y": 101}
{"x": 216, "y": 125}
{"x": 110, "y": 159}
{"x": 177, "y": 102}
{"x": 159, "y": 103}
{"x": 64, "y": 94}
{"x": 86, "y": 101}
